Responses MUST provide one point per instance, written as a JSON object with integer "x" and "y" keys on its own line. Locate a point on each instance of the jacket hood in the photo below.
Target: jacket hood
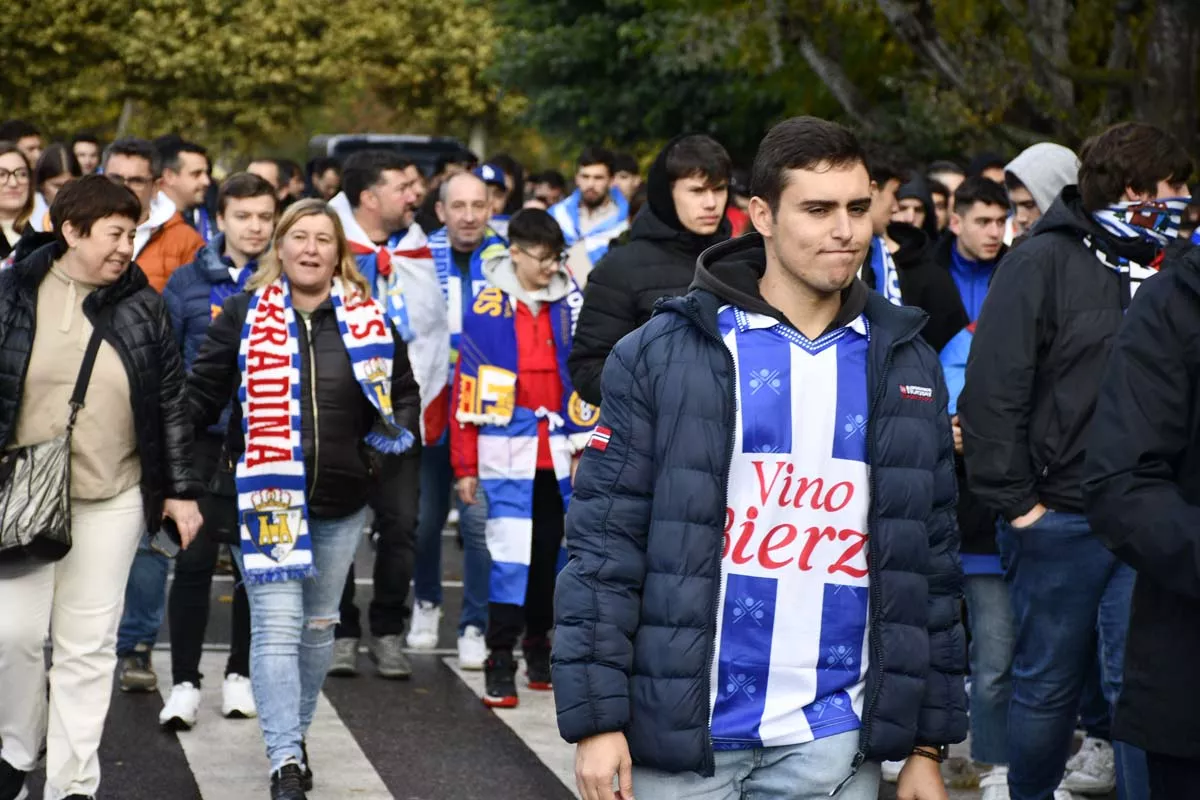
{"x": 661, "y": 221}
{"x": 1067, "y": 215}
{"x": 917, "y": 187}
{"x": 209, "y": 260}
{"x": 1045, "y": 168}
{"x": 732, "y": 270}
{"x": 1186, "y": 261}
{"x": 354, "y": 232}
{"x": 915, "y": 245}
{"x": 500, "y": 273}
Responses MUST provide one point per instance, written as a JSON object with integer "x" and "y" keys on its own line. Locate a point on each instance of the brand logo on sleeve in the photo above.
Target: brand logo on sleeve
{"x": 600, "y": 438}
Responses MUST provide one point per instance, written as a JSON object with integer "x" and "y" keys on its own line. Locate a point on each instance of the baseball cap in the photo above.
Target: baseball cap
{"x": 491, "y": 174}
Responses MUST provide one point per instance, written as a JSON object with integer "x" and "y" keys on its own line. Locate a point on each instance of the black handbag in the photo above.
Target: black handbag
{"x": 35, "y": 485}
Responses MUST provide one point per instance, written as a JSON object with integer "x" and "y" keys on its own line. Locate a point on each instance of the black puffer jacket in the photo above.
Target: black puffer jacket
{"x": 133, "y": 319}
{"x": 658, "y": 261}
{"x": 1040, "y": 349}
{"x": 338, "y": 465}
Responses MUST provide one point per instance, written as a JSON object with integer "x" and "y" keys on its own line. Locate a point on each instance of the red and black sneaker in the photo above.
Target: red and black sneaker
{"x": 500, "y": 675}
{"x": 537, "y": 667}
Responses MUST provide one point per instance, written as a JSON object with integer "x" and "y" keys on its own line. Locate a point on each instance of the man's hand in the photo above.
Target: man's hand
{"x": 466, "y": 490}
{"x": 599, "y": 758}
{"x": 186, "y": 514}
{"x": 921, "y": 779}
{"x": 1028, "y": 519}
{"x": 954, "y": 426}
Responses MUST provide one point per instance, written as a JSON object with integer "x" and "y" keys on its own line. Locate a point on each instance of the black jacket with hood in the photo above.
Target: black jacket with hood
{"x": 1142, "y": 488}
{"x": 1041, "y": 345}
{"x": 924, "y": 284}
{"x": 658, "y": 261}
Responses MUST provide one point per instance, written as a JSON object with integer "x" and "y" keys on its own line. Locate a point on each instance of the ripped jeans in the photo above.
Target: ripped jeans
{"x": 291, "y": 636}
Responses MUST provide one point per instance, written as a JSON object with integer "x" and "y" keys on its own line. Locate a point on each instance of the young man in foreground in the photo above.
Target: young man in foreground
{"x": 721, "y": 629}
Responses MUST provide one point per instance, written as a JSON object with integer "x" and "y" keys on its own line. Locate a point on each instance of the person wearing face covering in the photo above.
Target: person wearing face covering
{"x": 687, "y": 192}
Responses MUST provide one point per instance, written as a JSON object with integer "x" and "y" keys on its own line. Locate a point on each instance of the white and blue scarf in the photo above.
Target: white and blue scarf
{"x": 508, "y": 435}
{"x": 887, "y": 279}
{"x": 270, "y": 474}
{"x": 1155, "y": 221}
{"x": 597, "y": 239}
{"x": 450, "y": 279}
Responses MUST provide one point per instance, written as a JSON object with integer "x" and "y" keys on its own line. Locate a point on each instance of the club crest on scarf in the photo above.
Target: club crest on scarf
{"x": 274, "y": 523}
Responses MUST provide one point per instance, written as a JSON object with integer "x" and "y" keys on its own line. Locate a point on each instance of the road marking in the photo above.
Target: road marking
{"x": 357, "y": 581}
{"x": 533, "y": 721}
{"x": 227, "y": 757}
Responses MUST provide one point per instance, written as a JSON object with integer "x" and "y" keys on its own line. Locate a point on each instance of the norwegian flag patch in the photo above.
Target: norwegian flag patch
{"x": 599, "y": 438}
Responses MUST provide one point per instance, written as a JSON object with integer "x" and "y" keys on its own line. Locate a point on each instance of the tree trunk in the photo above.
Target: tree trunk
{"x": 924, "y": 40}
{"x": 1168, "y": 93}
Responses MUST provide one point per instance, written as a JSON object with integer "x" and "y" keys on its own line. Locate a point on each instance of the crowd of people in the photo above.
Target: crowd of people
{"x": 980, "y": 422}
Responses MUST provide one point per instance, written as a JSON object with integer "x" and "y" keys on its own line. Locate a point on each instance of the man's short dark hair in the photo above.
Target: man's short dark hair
{"x": 289, "y": 169}
{"x": 1012, "y": 182}
{"x": 91, "y": 198}
{"x": 937, "y": 187}
{"x": 800, "y": 143}
{"x": 983, "y": 162}
{"x": 84, "y": 138}
{"x": 55, "y": 160}
{"x": 464, "y": 157}
{"x": 135, "y": 148}
{"x": 885, "y": 166}
{"x": 699, "y": 156}
{"x": 170, "y": 148}
{"x": 1133, "y": 155}
{"x": 242, "y": 185}
{"x": 979, "y": 190}
{"x": 14, "y": 130}
{"x": 938, "y": 167}
{"x": 533, "y": 227}
{"x": 365, "y": 169}
{"x": 319, "y": 166}
{"x": 596, "y": 155}
{"x": 624, "y": 162}
{"x": 552, "y": 178}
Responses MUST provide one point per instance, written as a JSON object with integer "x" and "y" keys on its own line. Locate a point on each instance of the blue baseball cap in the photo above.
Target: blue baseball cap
{"x": 491, "y": 174}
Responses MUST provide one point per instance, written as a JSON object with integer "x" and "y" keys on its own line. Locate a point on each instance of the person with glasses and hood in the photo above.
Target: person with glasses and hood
{"x": 688, "y": 190}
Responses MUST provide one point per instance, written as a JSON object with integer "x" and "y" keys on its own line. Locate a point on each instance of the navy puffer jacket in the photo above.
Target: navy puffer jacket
{"x": 637, "y": 603}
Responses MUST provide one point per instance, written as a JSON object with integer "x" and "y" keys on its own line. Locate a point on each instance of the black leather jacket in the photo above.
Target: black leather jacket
{"x": 133, "y": 319}
{"x": 339, "y": 467}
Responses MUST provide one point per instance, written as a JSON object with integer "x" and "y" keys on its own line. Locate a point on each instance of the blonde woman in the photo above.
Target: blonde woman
{"x": 319, "y": 380}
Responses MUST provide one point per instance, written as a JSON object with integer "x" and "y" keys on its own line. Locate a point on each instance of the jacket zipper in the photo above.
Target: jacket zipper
{"x": 312, "y": 394}
{"x": 731, "y": 420}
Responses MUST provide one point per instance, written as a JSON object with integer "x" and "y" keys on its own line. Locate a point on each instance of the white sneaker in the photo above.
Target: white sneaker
{"x": 994, "y": 784}
{"x": 890, "y": 770}
{"x": 237, "y": 698}
{"x": 1093, "y": 770}
{"x": 179, "y": 714}
{"x": 423, "y": 635}
{"x": 1063, "y": 794}
{"x": 452, "y": 518}
{"x": 472, "y": 649}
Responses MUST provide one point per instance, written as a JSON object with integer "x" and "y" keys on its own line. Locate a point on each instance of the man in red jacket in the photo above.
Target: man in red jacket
{"x": 520, "y": 428}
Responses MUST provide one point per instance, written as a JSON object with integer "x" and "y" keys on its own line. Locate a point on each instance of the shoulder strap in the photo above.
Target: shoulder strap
{"x": 85, "y": 374}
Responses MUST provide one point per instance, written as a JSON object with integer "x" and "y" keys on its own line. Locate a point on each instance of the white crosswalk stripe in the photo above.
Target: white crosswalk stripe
{"x": 227, "y": 759}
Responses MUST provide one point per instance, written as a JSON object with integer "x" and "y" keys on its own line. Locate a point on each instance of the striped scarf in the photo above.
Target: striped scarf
{"x": 887, "y": 279}
{"x": 596, "y": 240}
{"x": 1155, "y": 221}
{"x": 270, "y": 474}
{"x": 508, "y": 435}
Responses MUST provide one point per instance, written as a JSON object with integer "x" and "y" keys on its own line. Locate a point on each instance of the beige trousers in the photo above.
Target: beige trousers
{"x": 79, "y": 601}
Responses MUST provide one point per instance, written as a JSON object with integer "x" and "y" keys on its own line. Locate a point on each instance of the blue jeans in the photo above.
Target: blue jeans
{"x": 1066, "y": 589}
{"x": 145, "y": 599}
{"x": 808, "y": 771}
{"x": 291, "y": 636}
{"x": 989, "y": 609}
{"x": 437, "y": 481}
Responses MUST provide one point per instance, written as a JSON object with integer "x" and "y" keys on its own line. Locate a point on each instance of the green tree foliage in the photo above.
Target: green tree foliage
{"x": 934, "y": 78}
{"x": 244, "y": 73}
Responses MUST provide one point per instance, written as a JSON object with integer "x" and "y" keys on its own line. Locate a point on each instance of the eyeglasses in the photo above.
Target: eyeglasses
{"x": 18, "y": 176}
{"x": 548, "y": 261}
{"x": 135, "y": 183}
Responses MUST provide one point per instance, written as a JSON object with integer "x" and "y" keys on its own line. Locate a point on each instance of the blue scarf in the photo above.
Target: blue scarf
{"x": 487, "y": 398}
{"x": 218, "y": 293}
{"x": 270, "y": 479}
{"x": 450, "y": 279}
{"x": 597, "y": 240}
{"x": 1154, "y": 221}
{"x": 204, "y": 226}
{"x": 887, "y": 279}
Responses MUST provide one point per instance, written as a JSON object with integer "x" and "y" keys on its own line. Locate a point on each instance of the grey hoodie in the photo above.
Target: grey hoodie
{"x": 1045, "y": 168}
{"x": 500, "y": 273}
